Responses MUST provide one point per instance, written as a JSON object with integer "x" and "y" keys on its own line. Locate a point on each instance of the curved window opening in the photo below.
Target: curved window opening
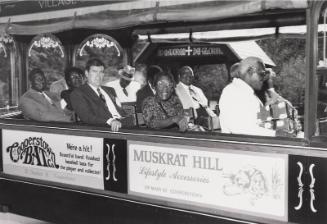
{"x": 47, "y": 53}
{"x": 106, "y": 49}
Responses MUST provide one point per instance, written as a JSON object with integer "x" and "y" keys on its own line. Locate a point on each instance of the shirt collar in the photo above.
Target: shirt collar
{"x": 94, "y": 88}
{"x": 243, "y": 85}
{"x": 185, "y": 86}
{"x": 33, "y": 90}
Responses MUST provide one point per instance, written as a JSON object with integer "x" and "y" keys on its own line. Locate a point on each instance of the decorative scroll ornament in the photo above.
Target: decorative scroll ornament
{"x": 99, "y": 42}
{"x": 311, "y": 186}
{"x": 46, "y": 42}
{"x": 113, "y": 162}
{"x": 300, "y": 183}
{"x": 6, "y": 39}
{"x": 3, "y": 48}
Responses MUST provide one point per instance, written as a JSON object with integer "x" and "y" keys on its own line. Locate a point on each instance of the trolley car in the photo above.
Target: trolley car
{"x": 78, "y": 173}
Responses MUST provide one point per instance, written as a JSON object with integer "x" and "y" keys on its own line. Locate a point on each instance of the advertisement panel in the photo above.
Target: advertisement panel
{"x": 60, "y": 158}
{"x": 250, "y": 183}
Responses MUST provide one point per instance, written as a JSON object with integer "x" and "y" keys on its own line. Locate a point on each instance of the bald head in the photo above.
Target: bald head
{"x": 186, "y": 75}
{"x": 250, "y": 64}
{"x": 252, "y": 71}
{"x": 234, "y": 70}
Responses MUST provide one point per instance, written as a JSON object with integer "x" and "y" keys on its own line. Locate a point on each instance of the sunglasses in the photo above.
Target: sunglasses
{"x": 162, "y": 85}
{"x": 263, "y": 75}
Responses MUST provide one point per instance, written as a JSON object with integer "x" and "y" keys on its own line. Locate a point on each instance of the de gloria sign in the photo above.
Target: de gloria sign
{"x": 84, "y": 161}
{"x": 252, "y": 183}
{"x": 191, "y": 51}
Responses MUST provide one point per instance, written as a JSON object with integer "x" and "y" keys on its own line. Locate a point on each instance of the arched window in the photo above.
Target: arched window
{"x": 103, "y": 47}
{"x": 46, "y": 52}
{"x": 9, "y": 82}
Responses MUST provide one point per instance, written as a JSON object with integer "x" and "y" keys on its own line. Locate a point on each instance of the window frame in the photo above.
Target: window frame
{"x": 30, "y": 46}
{"x": 11, "y": 55}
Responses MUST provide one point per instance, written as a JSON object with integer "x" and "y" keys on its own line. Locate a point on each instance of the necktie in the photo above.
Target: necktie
{"x": 193, "y": 94}
{"x": 101, "y": 96}
{"x": 47, "y": 98}
{"x": 125, "y": 91}
{"x": 110, "y": 105}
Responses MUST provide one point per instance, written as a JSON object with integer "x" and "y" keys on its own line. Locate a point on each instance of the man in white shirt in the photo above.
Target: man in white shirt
{"x": 238, "y": 104}
{"x": 125, "y": 87}
{"x": 96, "y": 104}
{"x": 190, "y": 95}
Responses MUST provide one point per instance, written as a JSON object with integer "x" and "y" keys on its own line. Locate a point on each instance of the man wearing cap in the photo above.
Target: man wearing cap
{"x": 125, "y": 87}
{"x": 190, "y": 95}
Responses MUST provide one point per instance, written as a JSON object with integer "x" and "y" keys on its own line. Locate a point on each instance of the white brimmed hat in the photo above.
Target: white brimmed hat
{"x": 127, "y": 72}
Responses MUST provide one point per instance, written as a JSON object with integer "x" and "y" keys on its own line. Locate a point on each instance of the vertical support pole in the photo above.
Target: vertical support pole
{"x": 69, "y": 53}
{"x": 311, "y": 84}
{"x": 22, "y": 66}
{"x": 129, "y": 56}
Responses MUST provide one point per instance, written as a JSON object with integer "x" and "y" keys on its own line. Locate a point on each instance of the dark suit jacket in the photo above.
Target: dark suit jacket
{"x": 65, "y": 94}
{"x": 141, "y": 95}
{"x": 35, "y": 107}
{"x": 89, "y": 107}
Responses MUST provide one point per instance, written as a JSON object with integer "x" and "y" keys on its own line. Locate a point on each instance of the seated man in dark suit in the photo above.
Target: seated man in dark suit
{"x": 40, "y": 105}
{"x": 147, "y": 90}
{"x": 96, "y": 104}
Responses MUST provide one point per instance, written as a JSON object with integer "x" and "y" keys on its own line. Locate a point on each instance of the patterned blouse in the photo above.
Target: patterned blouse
{"x": 153, "y": 111}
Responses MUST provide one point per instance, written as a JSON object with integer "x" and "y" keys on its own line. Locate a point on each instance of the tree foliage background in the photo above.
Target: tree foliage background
{"x": 287, "y": 53}
{"x": 289, "y": 57}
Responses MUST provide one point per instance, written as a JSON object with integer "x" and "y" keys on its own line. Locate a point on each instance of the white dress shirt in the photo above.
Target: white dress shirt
{"x": 239, "y": 108}
{"x": 115, "y": 114}
{"x": 188, "y": 99}
{"x": 191, "y": 97}
{"x": 131, "y": 89}
{"x": 47, "y": 98}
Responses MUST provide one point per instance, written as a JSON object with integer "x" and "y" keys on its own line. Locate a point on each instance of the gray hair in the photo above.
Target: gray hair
{"x": 249, "y": 64}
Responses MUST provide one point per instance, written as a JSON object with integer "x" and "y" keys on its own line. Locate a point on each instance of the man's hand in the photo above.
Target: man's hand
{"x": 181, "y": 121}
{"x": 284, "y": 133}
{"x": 183, "y": 124}
{"x": 115, "y": 125}
{"x": 273, "y": 97}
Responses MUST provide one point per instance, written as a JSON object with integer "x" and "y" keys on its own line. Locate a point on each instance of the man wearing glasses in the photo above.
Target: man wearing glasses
{"x": 239, "y": 106}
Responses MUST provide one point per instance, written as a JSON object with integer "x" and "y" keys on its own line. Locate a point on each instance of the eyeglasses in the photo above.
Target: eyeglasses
{"x": 263, "y": 75}
{"x": 162, "y": 85}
